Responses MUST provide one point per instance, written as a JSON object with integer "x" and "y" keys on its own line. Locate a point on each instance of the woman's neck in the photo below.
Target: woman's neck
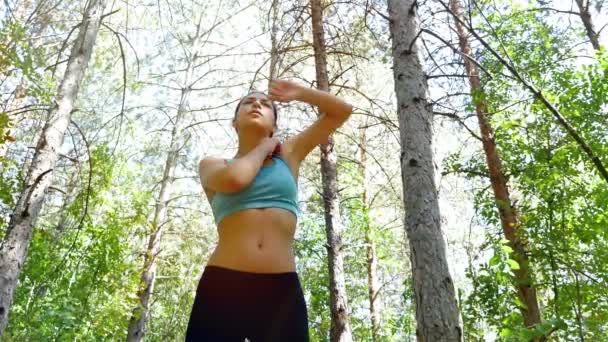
{"x": 247, "y": 144}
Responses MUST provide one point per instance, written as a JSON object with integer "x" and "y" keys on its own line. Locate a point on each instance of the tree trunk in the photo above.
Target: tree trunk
{"x": 13, "y": 250}
{"x": 372, "y": 263}
{"x": 140, "y": 314}
{"x": 583, "y": 7}
{"x": 340, "y": 325}
{"x": 508, "y": 217}
{"x": 274, "y": 49}
{"x": 436, "y": 308}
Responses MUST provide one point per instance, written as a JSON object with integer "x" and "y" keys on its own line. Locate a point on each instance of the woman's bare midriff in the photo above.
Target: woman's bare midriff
{"x": 256, "y": 240}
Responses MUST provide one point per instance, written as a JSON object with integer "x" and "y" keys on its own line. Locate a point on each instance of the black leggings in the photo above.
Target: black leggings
{"x": 233, "y": 305}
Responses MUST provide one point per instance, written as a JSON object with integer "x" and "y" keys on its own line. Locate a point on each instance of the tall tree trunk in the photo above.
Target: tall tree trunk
{"x": 583, "y": 6}
{"x": 436, "y": 308}
{"x": 274, "y": 49}
{"x": 141, "y": 313}
{"x": 508, "y": 218}
{"x": 340, "y": 324}
{"x": 372, "y": 263}
{"x": 14, "y": 247}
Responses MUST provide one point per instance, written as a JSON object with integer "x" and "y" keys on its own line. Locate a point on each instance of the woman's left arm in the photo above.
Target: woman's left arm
{"x": 334, "y": 112}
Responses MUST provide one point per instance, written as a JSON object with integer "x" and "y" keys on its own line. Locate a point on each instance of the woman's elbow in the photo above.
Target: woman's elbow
{"x": 232, "y": 184}
{"x": 235, "y": 181}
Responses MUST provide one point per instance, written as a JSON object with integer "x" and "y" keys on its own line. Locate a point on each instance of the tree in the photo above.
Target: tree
{"x": 13, "y": 250}
{"x": 370, "y": 244}
{"x": 538, "y": 93}
{"x": 194, "y": 47}
{"x": 340, "y": 325}
{"x": 544, "y": 168}
{"x": 436, "y": 308}
{"x": 524, "y": 281}
{"x": 585, "y": 16}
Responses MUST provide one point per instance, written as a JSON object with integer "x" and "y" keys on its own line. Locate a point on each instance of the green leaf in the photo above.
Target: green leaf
{"x": 506, "y": 332}
{"x": 495, "y": 260}
{"x": 507, "y": 249}
{"x": 514, "y": 265}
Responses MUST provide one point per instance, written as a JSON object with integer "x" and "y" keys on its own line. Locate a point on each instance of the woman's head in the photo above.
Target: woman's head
{"x": 255, "y": 113}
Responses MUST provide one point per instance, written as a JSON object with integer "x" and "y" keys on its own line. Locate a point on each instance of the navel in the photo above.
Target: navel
{"x": 260, "y": 242}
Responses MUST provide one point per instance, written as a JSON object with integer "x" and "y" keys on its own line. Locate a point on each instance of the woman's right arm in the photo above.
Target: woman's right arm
{"x": 218, "y": 176}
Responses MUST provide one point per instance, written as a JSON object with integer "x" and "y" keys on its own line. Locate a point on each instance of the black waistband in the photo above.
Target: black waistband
{"x": 238, "y": 273}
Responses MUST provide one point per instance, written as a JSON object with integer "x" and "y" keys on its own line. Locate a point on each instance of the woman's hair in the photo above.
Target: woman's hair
{"x": 274, "y": 107}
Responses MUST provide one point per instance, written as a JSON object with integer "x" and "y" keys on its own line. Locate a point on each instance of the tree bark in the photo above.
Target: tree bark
{"x": 511, "y": 226}
{"x": 372, "y": 263}
{"x": 437, "y": 314}
{"x": 583, "y": 7}
{"x": 13, "y": 250}
{"x": 340, "y": 324}
{"x": 274, "y": 49}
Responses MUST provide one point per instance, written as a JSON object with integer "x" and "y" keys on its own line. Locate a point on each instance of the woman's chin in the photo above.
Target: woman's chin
{"x": 254, "y": 127}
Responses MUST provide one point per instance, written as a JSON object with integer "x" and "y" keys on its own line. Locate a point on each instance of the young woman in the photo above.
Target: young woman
{"x": 249, "y": 289}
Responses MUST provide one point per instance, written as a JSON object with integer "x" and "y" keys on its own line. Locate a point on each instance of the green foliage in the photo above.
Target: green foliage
{"x": 11, "y": 179}
{"x": 559, "y": 197}
{"x": 82, "y": 274}
{"x": 79, "y": 281}
{"x": 5, "y": 124}
{"x": 18, "y": 57}
{"x": 312, "y": 269}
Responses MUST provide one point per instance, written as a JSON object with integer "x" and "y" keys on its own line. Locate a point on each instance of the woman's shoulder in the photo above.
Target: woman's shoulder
{"x": 206, "y": 165}
{"x": 212, "y": 160}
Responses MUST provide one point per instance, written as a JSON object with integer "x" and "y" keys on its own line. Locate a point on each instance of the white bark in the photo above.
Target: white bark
{"x": 436, "y": 309}
{"x": 13, "y": 250}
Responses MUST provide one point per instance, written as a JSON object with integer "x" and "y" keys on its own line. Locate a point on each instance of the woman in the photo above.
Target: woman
{"x": 249, "y": 289}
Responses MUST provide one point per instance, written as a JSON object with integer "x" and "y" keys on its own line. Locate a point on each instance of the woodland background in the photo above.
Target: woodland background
{"x": 118, "y": 229}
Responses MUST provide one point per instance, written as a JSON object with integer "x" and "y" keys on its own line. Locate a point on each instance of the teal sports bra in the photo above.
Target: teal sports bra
{"x": 274, "y": 186}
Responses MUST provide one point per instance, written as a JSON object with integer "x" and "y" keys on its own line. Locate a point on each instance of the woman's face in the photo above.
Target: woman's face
{"x": 255, "y": 111}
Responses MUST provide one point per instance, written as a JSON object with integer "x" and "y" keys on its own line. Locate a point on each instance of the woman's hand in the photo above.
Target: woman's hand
{"x": 271, "y": 146}
{"x": 284, "y": 91}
